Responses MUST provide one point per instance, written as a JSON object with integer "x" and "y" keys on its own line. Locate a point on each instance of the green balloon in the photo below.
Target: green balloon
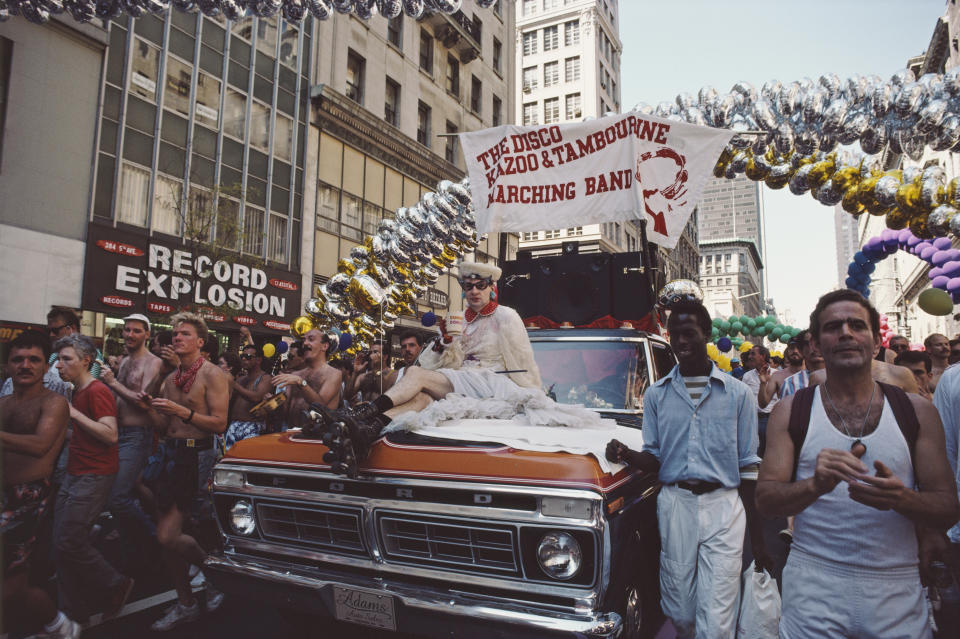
{"x": 750, "y": 323}
{"x": 716, "y": 321}
{"x": 770, "y": 318}
{"x": 795, "y": 331}
{"x": 760, "y": 331}
{"x": 737, "y": 342}
{"x": 785, "y": 338}
{"x": 724, "y": 325}
{"x": 736, "y": 327}
{"x": 714, "y": 334}
{"x": 770, "y": 326}
{"x": 776, "y": 333}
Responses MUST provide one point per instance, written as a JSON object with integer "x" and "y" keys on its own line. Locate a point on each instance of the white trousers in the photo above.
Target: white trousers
{"x": 826, "y": 600}
{"x": 701, "y": 553}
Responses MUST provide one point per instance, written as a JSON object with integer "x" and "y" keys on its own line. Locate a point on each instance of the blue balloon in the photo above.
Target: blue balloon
{"x": 860, "y": 258}
{"x": 724, "y": 344}
{"x": 874, "y": 254}
{"x": 282, "y": 347}
{"x": 852, "y": 283}
{"x": 868, "y": 268}
{"x": 429, "y": 319}
{"x": 346, "y": 339}
{"x": 854, "y": 269}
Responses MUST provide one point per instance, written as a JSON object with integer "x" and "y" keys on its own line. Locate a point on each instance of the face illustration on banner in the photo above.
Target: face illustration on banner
{"x": 663, "y": 180}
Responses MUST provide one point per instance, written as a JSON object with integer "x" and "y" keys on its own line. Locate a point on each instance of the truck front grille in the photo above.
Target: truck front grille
{"x": 453, "y": 543}
{"x": 323, "y": 526}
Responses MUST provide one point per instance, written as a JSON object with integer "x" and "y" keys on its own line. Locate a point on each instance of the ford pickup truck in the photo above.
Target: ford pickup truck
{"x": 444, "y": 538}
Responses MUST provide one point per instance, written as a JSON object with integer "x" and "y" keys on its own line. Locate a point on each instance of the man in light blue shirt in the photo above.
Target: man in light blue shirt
{"x": 947, "y": 400}
{"x": 700, "y": 428}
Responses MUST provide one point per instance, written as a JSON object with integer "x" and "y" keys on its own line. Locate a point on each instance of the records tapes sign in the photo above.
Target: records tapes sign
{"x": 126, "y": 272}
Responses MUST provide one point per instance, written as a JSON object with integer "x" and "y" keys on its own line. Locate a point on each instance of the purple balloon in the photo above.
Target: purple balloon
{"x": 951, "y": 269}
{"x": 940, "y": 282}
{"x": 953, "y": 286}
{"x": 888, "y": 234}
{"x": 913, "y": 241}
{"x": 903, "y": 236}
{"x": 891, "y": 247}
{"x": 943, "y": 243}
{"x": 935, "y": 272}
{"x": 927, "y": 253}
{"x": 940, "y": 258}
{"x": 954, "y": 254}
{"x": 956, "y": 298}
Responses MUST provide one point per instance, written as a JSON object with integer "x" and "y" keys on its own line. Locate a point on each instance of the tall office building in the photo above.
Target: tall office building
{"x": 388, "y": 98}
{"x": 733, "y": 210}
{"x": 568, "y": 69}
{"x": 847, "y": 235}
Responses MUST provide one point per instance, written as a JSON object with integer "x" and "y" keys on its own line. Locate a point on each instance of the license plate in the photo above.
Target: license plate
{"x": 364, "y": 607}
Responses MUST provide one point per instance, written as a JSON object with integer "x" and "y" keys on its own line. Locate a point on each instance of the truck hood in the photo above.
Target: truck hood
{"x": 412, "y": 456}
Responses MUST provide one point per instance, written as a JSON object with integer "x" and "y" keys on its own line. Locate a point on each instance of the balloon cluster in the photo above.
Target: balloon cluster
{"x": 760, "y": 326}
{"x": 384, "y": 276}
{"x": 939, "y": 253}
{"x": 39, "y": 11}
{"x": 791, "y": 133}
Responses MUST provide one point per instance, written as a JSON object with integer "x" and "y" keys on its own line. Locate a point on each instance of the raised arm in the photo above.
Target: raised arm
{"x": 255, "y": 394}
{"x": 51, "y": 428}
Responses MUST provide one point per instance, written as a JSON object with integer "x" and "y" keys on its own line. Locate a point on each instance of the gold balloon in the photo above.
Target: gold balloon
{"x": 953, "y": 192}
{"x": 851, "y": 203}
{"x": 302, "y": 325}
{"x": 918, "y": 226}
{"x": 908, "y": 198}
{"x": 846, "y": 178}
{"x": 365, "y": 293}
{"x": 756, "y": 171}
{"x": 820, "y": 173}
{"x": 346, "y": 266}
{"x": 897, "y": 219}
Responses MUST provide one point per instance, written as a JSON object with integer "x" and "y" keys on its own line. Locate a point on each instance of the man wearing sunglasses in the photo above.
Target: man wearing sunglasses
{"x": 248, "y": 391}
{"x": 491, "y": 359}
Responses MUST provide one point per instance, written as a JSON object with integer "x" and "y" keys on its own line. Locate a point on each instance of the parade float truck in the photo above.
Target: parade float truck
{"x": 447, "y": 538}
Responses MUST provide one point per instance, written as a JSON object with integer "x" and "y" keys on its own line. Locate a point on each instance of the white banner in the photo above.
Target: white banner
{"x": 621, "y": 167}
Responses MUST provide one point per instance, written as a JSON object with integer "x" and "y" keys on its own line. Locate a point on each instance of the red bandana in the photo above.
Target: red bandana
{"x": 184, "y": 378}
{"x": 471, "y": 314}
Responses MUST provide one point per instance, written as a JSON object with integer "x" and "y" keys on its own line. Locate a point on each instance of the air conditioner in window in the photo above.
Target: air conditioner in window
{"x": 527, "y": 88}
{"x": 578, "y": 113}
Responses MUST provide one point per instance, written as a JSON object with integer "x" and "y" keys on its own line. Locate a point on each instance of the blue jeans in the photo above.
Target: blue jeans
{"x": 134, "y": 449}
{"x": 762, "y": 420}
{"x": 83, "y": 575}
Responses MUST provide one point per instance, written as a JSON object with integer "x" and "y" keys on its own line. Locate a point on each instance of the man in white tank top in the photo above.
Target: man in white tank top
{"x": 853, "y": 569}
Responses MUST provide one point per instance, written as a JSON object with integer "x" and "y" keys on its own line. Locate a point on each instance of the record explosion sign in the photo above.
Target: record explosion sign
{"x": 621, "y": 167}
{"x": 126, "y": 272}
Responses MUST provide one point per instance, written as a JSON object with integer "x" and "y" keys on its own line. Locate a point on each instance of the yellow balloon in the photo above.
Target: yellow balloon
{"x": 746, "y": 346}
{"x": 300, "y": 327}
{"x": 269, "y": 350}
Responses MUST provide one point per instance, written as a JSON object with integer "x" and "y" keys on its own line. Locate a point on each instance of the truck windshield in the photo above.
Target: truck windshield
{"x": 601, "y": 375}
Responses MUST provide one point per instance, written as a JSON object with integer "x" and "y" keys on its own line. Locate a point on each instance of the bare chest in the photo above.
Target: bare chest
{"x": 21, "y": 417}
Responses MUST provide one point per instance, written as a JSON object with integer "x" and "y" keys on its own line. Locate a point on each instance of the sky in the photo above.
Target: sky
{"x": 676, "y": 46}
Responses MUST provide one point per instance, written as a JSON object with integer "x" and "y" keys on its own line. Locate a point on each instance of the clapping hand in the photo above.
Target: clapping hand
{"x": 882, "y": 491}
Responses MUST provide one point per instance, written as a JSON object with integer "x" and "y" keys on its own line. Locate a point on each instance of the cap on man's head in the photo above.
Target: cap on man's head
{"x": 138, "y": 317}
{"x": 478, "y": 271}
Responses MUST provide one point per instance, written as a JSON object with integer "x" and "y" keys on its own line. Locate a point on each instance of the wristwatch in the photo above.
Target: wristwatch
{"x": 303, "y": 383}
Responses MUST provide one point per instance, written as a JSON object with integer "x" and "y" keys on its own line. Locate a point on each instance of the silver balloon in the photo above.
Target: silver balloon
{"x": 885, "y": 191}
{"x": 337, "y": 310}
{"x": 389, "y": 9}
{"x": 233, "y": 9}
{"x": 313, "y": 307}
{"x": 828, "y": 194}
{"x": 319, "y": 9}
{"x": 798, "y": 183}
{"x": 677, "y": 291}
{"x": 363, "y": 8}
{"x": 293, "y": 10}
{"x": 209, "y": 8}
{"x": 360, "y": 255}
{"x": 938, "y": 222}
{"x": 342, "y": 6}
{"x": 337, "y": 284}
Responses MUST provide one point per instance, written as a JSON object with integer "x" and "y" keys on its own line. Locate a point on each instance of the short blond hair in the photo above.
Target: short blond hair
{"x": 194, "y": 320}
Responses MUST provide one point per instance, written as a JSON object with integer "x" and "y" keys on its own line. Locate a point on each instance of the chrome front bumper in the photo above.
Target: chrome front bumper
{"x": 422, "y": 609}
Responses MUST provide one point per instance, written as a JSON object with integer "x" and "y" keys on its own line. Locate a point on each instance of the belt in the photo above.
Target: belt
{"x": 198, "y": 444}
{"x": 699, "y": 487}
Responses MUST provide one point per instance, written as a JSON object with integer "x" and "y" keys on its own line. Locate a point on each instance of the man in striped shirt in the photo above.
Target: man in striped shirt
{"x": 700, "y": 434}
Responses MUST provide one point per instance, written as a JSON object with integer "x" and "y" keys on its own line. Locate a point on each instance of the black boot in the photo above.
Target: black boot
{"x": 365, "y": 422}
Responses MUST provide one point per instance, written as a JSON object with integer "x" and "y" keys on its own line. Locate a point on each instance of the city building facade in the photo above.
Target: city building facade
{"x": 734, "y": 209}
{"x": 567, "y": 69}
{"x": 730, "y": 272}
{"x": 847, "y": 235}
{"x": 388, "y": 98}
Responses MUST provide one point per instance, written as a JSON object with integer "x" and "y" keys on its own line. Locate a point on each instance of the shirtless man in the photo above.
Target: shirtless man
{"x": 372, "y": 375}
{"x": 34, "y": 422}
{"x": 191, "y": 409}
{"x": 139, "y": 372}
{"x": 248, "y": 390}
{"x": 939, "y": 348}
{"x": 318, "y": 383}
{"x": 770, "y": 383}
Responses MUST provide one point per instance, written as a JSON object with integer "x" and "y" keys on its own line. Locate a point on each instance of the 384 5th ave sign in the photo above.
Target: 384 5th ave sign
{"x": 129, "y": 272}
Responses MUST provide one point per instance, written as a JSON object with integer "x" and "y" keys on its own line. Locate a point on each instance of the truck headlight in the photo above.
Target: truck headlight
{"x": 242, "y": 519}
{"x": 559, "y": 555}
{"x": 223, "y": 478}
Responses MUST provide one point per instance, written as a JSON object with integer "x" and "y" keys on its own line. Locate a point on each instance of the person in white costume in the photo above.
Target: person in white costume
{"x": 492, "y": 359}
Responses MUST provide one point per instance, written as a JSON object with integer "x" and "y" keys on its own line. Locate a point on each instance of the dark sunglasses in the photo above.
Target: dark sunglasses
{"x": 53, "y": 330}
{"x": 480, "y": 286}
{"x": 245, "y": 356}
